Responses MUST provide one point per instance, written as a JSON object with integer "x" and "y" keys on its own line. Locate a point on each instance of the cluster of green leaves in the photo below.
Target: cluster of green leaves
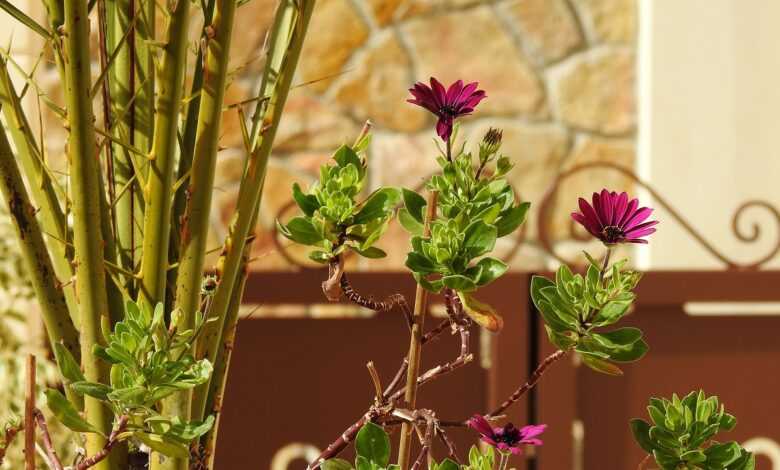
{"x": 149, "y": 361}
{"x": 372, "y": 448}
{"x": 479, "y": 459}
{"x": 333, "y": 220}
{"x": 681, "y": 435}
{"x": 575, "y": 308}
{"x": 476, "y": 206}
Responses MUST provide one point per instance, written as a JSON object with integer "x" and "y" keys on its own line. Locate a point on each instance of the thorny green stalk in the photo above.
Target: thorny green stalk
{"x": 289, "y": 31}
{"x": 194, "y": 229}
{"x": 36, "y": 258}
{"x": 85, "y": 185}
{"x": 159, "y": 190}
{"x": 42, "y": 187}
{"x": 122, "y": 89}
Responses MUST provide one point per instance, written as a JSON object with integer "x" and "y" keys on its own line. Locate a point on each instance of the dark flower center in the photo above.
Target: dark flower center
{"x": 613, "y": 234}
{"x": 448, "y": 110}
{"x": 510, "y": 435}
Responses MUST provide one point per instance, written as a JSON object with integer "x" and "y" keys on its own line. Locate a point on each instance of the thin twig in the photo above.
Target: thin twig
{"x": 378, "y": 306}
{"x": 375, "y": 380}
{"x": 54, "y": 460}
{"x": 29, "y": 415}
{"x": 643, "y": 464}
{"x": 112, "y": 441}
{"x": 535, "y": 376}
{"x": 8, "y": 437}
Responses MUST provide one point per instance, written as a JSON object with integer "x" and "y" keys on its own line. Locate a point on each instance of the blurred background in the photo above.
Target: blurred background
{"x": 672, "y": 100}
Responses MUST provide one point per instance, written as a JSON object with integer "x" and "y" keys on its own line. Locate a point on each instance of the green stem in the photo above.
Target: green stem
{"x": 88, "y": 239}
{"x": 41, "y": 186}
{"x": 605, "y": 266}
{"x": 36, "y": 258}
{"x": 194, "y": 230}
{"x": 159, "y": 190}
{"x": 288, "y": 34}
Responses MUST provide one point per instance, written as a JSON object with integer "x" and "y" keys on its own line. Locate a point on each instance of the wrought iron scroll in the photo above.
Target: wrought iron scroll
{"x": 547, "y": 206}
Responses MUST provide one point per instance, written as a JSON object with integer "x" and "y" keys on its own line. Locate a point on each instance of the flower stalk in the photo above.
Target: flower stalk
{"x": 415, "y": 345}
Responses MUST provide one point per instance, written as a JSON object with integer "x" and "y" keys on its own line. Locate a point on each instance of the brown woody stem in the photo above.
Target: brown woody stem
{"x": 529, "y": 384}
{"x": 378, "y": 306}
{"x": 29, "y": 416}
{"x": 415, "y": 346}
{"x": 112, "y": 441}
{"x": 54, "y": 460}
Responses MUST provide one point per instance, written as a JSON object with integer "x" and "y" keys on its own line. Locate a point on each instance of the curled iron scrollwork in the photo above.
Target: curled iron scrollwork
{"x": 754, "y": 235}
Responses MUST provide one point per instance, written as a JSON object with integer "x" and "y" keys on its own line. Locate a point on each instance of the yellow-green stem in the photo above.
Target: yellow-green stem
{"x": 194, "y": 229}
{"x": 289, "y": 32}
{"x": 415, "y": 349}
{"x": 36, "y": 258}
{"x": 86, "y": 199}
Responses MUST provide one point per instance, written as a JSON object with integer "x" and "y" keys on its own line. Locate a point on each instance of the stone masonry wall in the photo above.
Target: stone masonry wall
{"x": 560, "y": 79}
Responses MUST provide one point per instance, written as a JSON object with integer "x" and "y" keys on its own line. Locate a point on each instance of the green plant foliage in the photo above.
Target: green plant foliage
{"x": 680, "y": 435}
{"x": 575, "y": 308}
{"x": 476, "y": 206}
{"x": 372, "y": 446}
{"x": 480, "y": 459}
{"x": 333, "y": 220}
{"x": 149, "y": 361}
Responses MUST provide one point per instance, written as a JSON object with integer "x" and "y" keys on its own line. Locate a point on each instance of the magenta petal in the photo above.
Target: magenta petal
{"x": 516, "y": 450}
{"x": 585, "y": 222}
{"x": 637, "y": 218}
{"x": 589, "y": 213}
{"x": 532, "y": 442}
{"x": 444, "y": 128}
{"x": 641, "y": 233}
{"x": 453, "y": 93}
{"x": 637, "y": 240}
{"x": 475, "y": 98}
{"x": 607, "y": 208}
{"x": 439, "y": 93}
{"x": 481, "y": 425}
{"x": 632, "y": 205}
{"x": 532, "y": 430}
{"x": 638, "y": 228}
{"x": 620, "y": 208}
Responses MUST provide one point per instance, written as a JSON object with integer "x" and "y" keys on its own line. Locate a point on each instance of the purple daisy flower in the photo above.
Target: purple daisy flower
{"x": 458, "y": 100}
{"x": 507, "y": 438}
{"x": 614, "y": 219}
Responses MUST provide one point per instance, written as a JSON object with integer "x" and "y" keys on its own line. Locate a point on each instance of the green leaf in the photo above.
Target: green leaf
{"x": 641, "y": 432}
{"x": 492, "y": 269}
{"x": 622, "y": 337}
{"x": 378, "y": 205}
{"x": 482, "y": 313}
{"x": 611, "y": 312}
{"x": 447, "y": 464}
{"x": 301, "y": 230}
{"x": 373, "y": 443}
{"x": 307, "y": 202}
{"x": 600, "y": 365}
{"x": 414, "y": 204}
{"x": 479, "y": 238}
{"x": 721, "y": 455}
{"x": 409, "y": 223}
{"x": 362, "y": 463}
{"x": 66, "y": 413}
{"x": 431, "y": 286}
{"x": 512, "y": 219}
{"x": 419, "y": 263}
{"x": 67, "y": 364}
{"x": 319, "y": 256}
{"x": 459, "y": 283}
{"x": 92, "y": 389}
{"x": 370, "y": 252}
{"x": 162, "y": 445}
{"x": 727, "y": 422}
{"x": 635, "y": 352}
{"x": 346, "y": 156}
{"x": 336, "y": 464}
{"x": 747, "y": 461}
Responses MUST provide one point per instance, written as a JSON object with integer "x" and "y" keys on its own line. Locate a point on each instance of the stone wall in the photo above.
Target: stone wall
{"x": 559, "y": 74}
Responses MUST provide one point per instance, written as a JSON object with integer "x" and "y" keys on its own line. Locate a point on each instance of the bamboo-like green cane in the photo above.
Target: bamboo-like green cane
{"x": 85, "y": 185}
{"x": 41, "y": 187}
{"x": 291, "y": 23}
{"x": 123, "y": 108}
{"x": 194, "y": 230}
{"x": 159, "y": 190}
{"x": 36, "y": 258}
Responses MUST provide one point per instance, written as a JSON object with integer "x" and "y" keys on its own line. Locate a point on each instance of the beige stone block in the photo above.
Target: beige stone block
{"x": 308, "y": 123}
{"x": 377, "y": 88}
{"x": 470, "y": 45}
{"x": 549, "y": 28}
{"x": 612, "y": 21}
{"x": 335, "y": 31}
{"x": 597, "y": 93}
{"x": 403, "y": 160}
